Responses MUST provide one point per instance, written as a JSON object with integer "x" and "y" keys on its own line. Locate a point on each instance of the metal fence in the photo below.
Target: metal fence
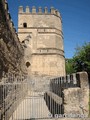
{"x": 12, "y": 90}
{"x": 57, "y": 85}
{"x": 55, "y": 97}
{"x": 23, "y": 98}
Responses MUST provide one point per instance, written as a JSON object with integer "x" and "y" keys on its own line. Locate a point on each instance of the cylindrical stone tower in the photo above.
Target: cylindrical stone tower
{"x": 44, "y": 46}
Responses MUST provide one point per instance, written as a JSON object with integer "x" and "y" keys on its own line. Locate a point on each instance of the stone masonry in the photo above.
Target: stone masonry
{"x": 73, "y": 93}
{"x": 41, "y": 34}
{"x": 76, "y": 100}
{"x": 11, "y": 51}
{"x": 12, "y": 66}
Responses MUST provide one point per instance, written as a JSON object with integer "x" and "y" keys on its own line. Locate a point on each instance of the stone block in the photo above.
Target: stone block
{"x": 76, "y": 100}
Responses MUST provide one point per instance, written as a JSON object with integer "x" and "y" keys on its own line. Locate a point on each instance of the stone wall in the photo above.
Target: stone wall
{"x": 76, "y": 100}
{"x": 12, "y": 91}
{"x": 11, "y": 51}
{"x": 74, "y": 92}
{"x": 12, "y": 65}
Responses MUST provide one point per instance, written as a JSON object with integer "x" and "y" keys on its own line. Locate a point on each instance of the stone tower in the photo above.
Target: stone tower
{"x": 41, "y": 34}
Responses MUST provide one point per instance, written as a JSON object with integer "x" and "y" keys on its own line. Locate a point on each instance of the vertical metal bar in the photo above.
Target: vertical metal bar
{"x": 55, "y": 86}
{"x": 60, "y": 86}
{"x": 3, "y": 100}
{"x": 71, "y": 81}
{"x": 5, "y": 97}
{"x": 16, "y": 96}
{"x": 78, "y": 80}
{"x": 50, "y": 105}
{"x": 12, "y": 92}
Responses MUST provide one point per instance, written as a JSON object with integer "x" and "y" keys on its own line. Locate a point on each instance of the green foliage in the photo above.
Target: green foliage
{"x": 81, "y": 58}
{"x": 80, "y": 61}
{"x": 69, "y": 66}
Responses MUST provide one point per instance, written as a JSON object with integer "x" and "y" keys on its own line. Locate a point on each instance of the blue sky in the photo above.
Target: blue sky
{"x": 75, "y": 15}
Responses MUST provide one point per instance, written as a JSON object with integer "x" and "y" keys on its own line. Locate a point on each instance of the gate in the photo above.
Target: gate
{"x": 33, "y": 105}
{"x": 12, "y": 91}
{"x": 25, "y": 98}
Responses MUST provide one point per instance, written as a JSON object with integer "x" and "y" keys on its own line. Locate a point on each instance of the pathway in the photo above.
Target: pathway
{"x": 33, "y": 106}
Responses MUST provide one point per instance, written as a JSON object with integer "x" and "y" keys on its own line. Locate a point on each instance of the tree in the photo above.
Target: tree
{"x": 81, "y": 59}
{"x": 69, "y": 66}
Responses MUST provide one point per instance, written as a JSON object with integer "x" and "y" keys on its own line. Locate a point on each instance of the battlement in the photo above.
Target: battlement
{"x": 34, "y": 10}
{"x": 8, "y": 16}
{"x": 9, "y": 20}
{"x": 44, "y": 25}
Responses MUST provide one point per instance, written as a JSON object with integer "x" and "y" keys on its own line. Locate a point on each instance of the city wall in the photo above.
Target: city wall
{"x": 73, "y": 92}
{"x": 12, "y": 67}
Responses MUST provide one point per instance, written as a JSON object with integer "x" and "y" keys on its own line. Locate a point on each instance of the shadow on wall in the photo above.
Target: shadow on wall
{"x": 89, "y": 79}
{"x": 2, "y": 68}
{"x": 89, "y": 93}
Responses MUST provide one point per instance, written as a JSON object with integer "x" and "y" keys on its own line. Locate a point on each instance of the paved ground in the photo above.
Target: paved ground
{"x": 33, "y": 106}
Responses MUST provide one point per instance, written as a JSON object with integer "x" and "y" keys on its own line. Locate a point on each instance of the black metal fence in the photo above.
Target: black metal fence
{"x": 12, "y": 91}
{"x": 33, "y": 99}
{"x": 57, "y": 85}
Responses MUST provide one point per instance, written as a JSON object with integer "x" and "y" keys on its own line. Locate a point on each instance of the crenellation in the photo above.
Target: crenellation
{"x": 68, "y": 78}
{"x": 21, "y": 9}
{"x": 52, "y": 10}
{"x": 57, "y": 13}
{"x": 40, "y": 10}
{"x": 33, "y": 9}
{"x": 45, "y": 10}
{"x": 11, "y": 23}
{"x": 27, "y": 9}
{"x": 6, "y": 5}
{"x": 8, "y": 16}
{"x": 14, "y": 29}
{"x": 74, "y": 78}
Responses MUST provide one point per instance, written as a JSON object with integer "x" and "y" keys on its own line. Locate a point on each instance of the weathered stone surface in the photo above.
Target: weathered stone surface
{"x": 44, "y": 49}
{"x": 42, "y": 41}
{"x": 11, "y": 51}
{"x": 54, "y": 97}
{"x": 76, "y": 100}
{"x": 12, "y": 65}
{"x": 72, "y": 98}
